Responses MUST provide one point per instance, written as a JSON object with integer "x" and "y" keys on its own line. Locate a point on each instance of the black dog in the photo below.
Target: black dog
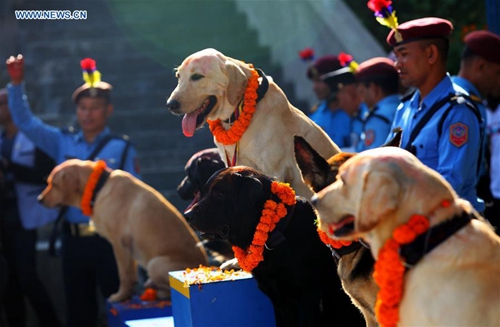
{"x": 298, "y": 272}
{"x": 198, "y": 170}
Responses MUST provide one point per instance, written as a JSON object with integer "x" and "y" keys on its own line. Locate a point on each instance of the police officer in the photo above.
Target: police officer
{"x": 343, "y": 87}
{"x": 24, "y": 169}
{"x": 87, "y": 259}
{"x": 479, "y": 75}
{"x": 378, "y": 85}
{"x": 445, "y": 140}
{"x": 334, "y": 121}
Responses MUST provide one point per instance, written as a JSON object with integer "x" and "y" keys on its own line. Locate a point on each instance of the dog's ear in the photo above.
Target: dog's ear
{"x": 314, "y": 168}
{"x": 237, "y": 82}
{"x": 379, "y": 196}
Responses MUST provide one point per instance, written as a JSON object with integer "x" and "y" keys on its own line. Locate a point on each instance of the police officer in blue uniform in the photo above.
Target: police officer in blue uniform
{"x": 88, "y": 260}
{"x": 442, "y": 130}
{"x": 479, "y": 75}
{"x": 327, "y": 115}
{"x": 343, "y": 87}
{"x": 23, "y": 169}
{"x": 378, "y": 84}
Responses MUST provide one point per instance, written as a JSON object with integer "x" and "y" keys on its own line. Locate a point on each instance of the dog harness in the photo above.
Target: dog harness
{"x": 413, "y": 252}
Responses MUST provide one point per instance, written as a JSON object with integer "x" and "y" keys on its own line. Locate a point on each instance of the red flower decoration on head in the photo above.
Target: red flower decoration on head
{"x": 88, "y": 64}
{"x": 345, "y": 59}
{"x": 306, "y": 54}
{"x": 378, "y": 5}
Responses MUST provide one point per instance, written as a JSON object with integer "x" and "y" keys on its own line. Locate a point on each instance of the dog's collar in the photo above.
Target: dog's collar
{"x": 100, "y": 183}
{"x": 261, "y": 91}
{"x": 276, "y": 238}
{"x": 338, "y": 253}
{"x": 413, "y": 252}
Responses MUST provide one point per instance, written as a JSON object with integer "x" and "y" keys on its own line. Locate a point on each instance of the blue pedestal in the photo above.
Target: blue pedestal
{"x": 223, "y": 303}
{"x": 121, "y": 312}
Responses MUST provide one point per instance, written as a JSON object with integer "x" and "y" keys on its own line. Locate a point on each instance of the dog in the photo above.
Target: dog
{"x": 297, "y": 273}
{"x": 137, "y": 220}
{"x": 456, "y": 282}
{"x": 199, "y": 168}
{"x": 355, "y": 263}
{"x": 212, "y": 85}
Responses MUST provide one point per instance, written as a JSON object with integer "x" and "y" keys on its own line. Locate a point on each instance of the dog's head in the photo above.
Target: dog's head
{"x": 379, "y": 189}
{"x": 199, "y": 168}
{"x": 66, "y": 183}
{"x": 209, "y": 86}
{"x": 231, "y": 205}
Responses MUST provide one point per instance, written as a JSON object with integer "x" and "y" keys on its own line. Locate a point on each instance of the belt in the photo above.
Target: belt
{"x": 79, "y": 229}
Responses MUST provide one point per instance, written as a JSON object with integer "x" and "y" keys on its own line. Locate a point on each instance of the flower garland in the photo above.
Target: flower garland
{"x": 336, "y": 244}
{"x": 90, "y": 187}
{"x": 389, "y": 270}
{"x": 149, "y": 294}
{"x": 271, "y": 214}
{"x": 234, "y": 133}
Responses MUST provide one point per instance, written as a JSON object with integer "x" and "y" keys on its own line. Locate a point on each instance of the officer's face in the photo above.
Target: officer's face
{"x": 321, "y": 89}
{"x": 489, "y": 81}
{"x": 92, "y": 114}
{"x": 366, "y": 92}
{"x": 348, "y": 99}
{"x": 411, "y": 63}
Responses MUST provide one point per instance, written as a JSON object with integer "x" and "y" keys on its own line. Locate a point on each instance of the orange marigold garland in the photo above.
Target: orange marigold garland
{"x": 234, "y": 133}
{"x": 389, "y": 270}
{"x": 90, "y": 187}
{"x": 149, "y": 294}
{"x": 272, "y": 213}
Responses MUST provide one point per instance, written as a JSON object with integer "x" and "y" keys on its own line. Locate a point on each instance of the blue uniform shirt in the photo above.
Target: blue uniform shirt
{"x": 337, "y": 124}
{"x": 478, "y": 100}
{"x": 455, "y": 154}
{"x": 62, "y": 145}
{"x": 376, "y": 123}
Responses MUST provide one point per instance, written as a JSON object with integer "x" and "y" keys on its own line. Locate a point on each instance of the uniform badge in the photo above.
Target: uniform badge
{"x": 369, "y": 137}
{"x": 459, "y": 134}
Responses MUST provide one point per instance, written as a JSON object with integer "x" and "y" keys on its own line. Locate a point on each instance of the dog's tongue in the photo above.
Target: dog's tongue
{"x": 189, "y": 123}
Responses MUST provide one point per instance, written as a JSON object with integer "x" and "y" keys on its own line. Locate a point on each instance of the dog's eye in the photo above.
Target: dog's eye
{"x": 196, "y": 77}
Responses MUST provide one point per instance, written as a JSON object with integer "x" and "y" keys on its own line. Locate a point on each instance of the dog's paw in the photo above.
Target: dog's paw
{"x": 230, "y": 264}
{"x": 120, "y": 296}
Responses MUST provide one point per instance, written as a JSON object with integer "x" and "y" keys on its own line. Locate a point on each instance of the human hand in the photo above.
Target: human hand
{"x": 15, "y": 67}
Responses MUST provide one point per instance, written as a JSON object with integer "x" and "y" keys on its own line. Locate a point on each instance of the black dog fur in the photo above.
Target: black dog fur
{"x": 299, "y": 275}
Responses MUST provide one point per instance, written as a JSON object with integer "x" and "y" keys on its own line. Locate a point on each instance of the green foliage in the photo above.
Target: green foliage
{"x": 464, "y": 15}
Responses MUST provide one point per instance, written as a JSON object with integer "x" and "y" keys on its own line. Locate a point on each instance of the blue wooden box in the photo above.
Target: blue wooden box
{"x": 228, "y": 303}
{"x": 121, "y": 312}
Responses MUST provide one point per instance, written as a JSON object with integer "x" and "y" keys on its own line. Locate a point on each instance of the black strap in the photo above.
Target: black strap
{"x": 425, "y": 243}
{"x": 56, "y": 227}
{"x": 453, "y": 99}
{"x": 338, "y": 253}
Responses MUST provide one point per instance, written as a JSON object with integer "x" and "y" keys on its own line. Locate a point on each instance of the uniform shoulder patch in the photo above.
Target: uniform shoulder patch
{"x": 369, "y": 137}
{"x": 459, "y": 134}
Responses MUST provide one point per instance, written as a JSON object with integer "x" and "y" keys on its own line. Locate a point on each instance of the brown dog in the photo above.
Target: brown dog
{"x": 457, "y": 281}
{"x": 138, "y": 221}
{"x": 211, "y": 86}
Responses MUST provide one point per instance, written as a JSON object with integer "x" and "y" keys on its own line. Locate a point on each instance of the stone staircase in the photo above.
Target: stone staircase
{"x": 136, "y": 48}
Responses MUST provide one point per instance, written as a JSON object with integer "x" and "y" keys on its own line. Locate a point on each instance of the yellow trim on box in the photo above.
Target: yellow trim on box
{"x": 177, "y": 285}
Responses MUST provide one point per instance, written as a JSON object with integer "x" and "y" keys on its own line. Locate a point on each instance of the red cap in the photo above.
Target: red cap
{"x": 418, "y": 29}
{"x": 485, "y": 44}
{"x": 376, "y": 67}
{"x": 323, "y": 65}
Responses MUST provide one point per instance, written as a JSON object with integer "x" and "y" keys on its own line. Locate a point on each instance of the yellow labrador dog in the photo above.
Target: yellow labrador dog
{"x": 211, "y": 86}
{"x": 457, "y": 282}
{"x": 139, "y": 222}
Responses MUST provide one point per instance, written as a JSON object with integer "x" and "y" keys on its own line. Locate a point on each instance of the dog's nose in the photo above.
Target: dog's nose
{"x": 314, "y": 200}
{"x": 174, "y": 106}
